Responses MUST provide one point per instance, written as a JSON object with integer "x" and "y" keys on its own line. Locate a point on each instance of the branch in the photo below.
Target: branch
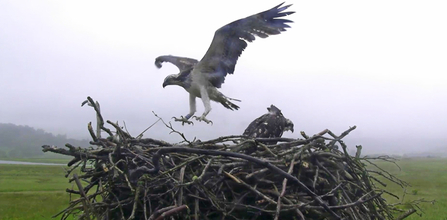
{"x": 156, "y": 162}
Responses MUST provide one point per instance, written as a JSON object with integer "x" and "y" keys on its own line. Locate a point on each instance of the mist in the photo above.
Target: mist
{"x": 377, "y": 65}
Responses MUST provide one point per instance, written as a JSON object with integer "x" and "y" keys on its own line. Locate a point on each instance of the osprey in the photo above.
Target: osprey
{"x": 269, "y": 125}
{"x": 203, "y": 78}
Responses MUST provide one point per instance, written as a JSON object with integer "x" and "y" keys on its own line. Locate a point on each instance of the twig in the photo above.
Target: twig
{"x": 135, "y": 201}
{"x": 406, "y": 214}
{"x": 156, "y": 157}
{"x": 141, "y": 134}
{"x": 85, "y": 201}
{"x": 294, "y": 179}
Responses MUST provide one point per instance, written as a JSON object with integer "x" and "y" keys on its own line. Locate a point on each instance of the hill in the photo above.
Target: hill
{"x": 18, "y": 141}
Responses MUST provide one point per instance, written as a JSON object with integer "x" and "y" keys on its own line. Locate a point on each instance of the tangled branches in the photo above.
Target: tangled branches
{"x": 231, "y": 177}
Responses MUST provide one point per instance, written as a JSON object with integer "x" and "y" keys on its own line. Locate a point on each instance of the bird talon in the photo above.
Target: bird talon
{"x": 183, "y": 120}
{"x": 201, "y": 118}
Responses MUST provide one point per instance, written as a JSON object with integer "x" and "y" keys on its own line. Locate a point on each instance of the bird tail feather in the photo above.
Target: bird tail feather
{"x": 225, "y": 101}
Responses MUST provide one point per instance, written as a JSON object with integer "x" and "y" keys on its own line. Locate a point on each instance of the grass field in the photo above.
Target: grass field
{"x": 32, "y": 192}
{"x": 38, "y": 192}
{"x": 41, "y": 160}
{"x": 428, "y": 179}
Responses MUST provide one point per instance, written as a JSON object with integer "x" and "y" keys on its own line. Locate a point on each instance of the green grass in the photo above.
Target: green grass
{"x": 38, "y": 192}
{"x": 40, "y": 160}
{"x": 428, "y": 179}
{"x": 19, "y": 178}
{"x": 31, "y": 205}
{"x": 32, "y": 192}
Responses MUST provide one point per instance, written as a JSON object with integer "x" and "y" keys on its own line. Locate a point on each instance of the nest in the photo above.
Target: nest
{"x": 231, "y": 177}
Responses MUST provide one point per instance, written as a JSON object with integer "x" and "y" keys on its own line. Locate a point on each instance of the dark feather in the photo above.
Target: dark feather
{"x": 269, "y": 125}
{"x": 182, "y": 63}
{"x": 230, "y": 40}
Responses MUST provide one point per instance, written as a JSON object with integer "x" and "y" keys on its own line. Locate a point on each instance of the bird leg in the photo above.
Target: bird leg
{"x": 192, "y": 110}
{"x": 207, "y": 103}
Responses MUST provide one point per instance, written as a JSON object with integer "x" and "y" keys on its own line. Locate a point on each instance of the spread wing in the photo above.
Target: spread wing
{"x": 230, "y": 40}
{"x": 182, "y": 63}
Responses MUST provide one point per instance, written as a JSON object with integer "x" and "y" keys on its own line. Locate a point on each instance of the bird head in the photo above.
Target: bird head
{"x": 171, "y": 80}
{"x": 289, "y": 126}
{"x": 274, "y": 110}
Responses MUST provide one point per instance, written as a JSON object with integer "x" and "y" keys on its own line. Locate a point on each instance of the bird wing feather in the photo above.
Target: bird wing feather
{"x": 182, "y": 63}
{"x": 255, "y": 124}
{"x": 230, "y": 40}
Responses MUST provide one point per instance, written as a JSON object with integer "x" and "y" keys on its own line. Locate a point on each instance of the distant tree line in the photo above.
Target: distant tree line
{"x": 18, "y": 141}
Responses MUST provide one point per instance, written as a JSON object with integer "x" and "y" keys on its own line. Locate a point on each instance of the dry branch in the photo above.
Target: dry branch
{"x": 231, "y": 177}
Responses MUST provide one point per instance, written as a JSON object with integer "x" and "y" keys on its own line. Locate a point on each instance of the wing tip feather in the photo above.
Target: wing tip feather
{"x": 158, "y": 64}
{"x": 280, "y": 9}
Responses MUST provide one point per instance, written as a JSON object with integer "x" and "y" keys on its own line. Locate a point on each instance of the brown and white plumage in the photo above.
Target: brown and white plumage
{"x": 202, "y": 78}
{"x": 270, "y": 125}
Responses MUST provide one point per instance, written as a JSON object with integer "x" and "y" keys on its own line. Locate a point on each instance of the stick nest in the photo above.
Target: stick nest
{"x": 231, "y": 177}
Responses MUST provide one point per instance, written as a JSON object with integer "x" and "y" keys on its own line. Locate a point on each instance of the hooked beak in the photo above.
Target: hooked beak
{"x": 167, "y": 82}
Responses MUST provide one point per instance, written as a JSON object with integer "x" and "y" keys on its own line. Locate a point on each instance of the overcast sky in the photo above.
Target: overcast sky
{"x": 380, "y": 65}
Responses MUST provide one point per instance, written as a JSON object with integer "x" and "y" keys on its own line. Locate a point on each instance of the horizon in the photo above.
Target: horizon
{"x": 377, "y": 65}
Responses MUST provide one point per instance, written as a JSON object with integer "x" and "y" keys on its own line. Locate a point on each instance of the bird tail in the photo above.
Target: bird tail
{"x": 225, "y": 101}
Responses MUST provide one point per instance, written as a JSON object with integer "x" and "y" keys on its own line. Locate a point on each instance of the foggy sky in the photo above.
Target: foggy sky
{"x": 378, "y": 65}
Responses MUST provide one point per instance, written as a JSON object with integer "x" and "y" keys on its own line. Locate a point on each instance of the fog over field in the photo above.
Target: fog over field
{"x": 378, "y": 65}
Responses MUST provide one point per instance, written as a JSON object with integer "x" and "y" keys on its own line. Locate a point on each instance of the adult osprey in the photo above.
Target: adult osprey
{"x": 269, "y": 125}
{"x": 202, "y": 78}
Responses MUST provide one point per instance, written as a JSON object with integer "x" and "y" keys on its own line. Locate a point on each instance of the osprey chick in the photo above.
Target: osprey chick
{"x": 202, "y": 78}
{"x": 269, "y": 125}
